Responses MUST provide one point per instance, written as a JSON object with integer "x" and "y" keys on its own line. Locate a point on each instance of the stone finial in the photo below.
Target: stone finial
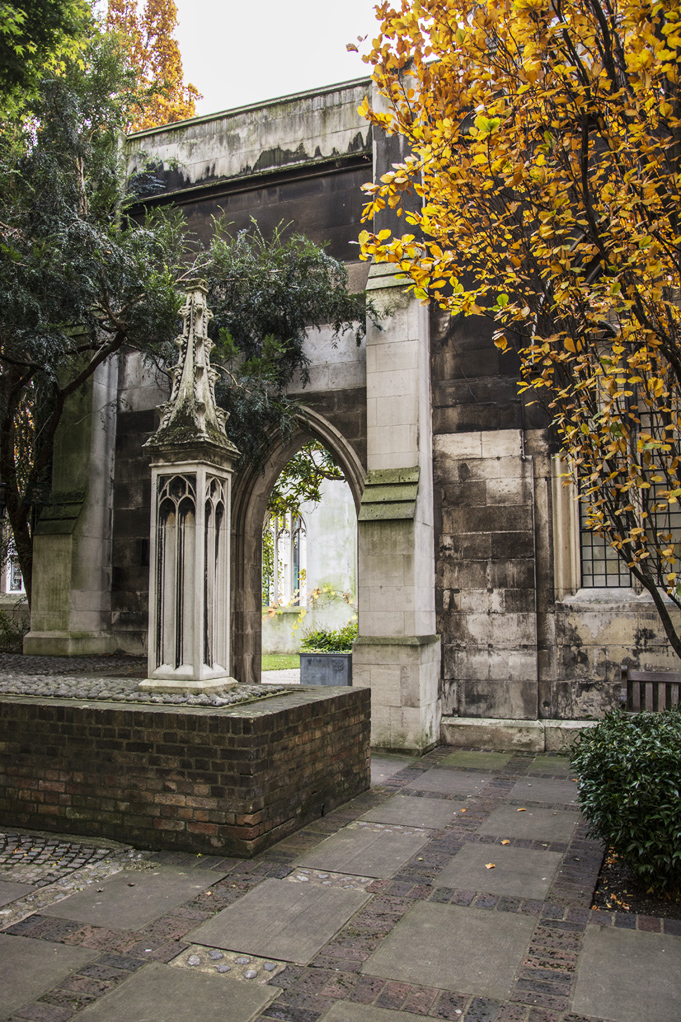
{"x": 191, "y": 415}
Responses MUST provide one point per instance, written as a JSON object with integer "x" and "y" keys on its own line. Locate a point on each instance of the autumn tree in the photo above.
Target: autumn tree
{"x": 545, "y": 141}
{"x": 155, "y": 56}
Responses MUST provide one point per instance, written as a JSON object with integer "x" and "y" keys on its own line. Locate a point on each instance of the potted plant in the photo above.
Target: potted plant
{"x": 326, "y": 656}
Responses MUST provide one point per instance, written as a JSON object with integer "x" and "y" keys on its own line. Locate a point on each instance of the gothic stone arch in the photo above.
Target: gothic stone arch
{"x": 251, "y": 493}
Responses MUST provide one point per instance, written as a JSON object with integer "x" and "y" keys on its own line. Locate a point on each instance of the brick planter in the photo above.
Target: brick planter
{"x": 326, "y": 668}
{"x": 206, "y": 779}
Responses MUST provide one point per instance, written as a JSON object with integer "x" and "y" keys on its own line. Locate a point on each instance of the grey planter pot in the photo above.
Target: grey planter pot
{"x": 326, "y": 668}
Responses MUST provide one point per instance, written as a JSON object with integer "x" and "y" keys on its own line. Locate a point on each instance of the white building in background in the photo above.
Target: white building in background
{"x": 13, "y": 579}
{"x": 315, "y": 552}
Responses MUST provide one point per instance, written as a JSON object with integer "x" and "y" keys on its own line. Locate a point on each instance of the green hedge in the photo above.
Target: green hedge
{"x": 629, "y": 769}
{"x": 327, "y": 641}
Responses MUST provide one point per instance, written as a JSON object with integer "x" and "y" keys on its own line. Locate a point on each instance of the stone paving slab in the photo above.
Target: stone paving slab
{"x": 464, "y": 949}
{"x": 159, "y": 993}
{"x": 370, "y": 850}
{"x": 282, "y": 921}
{"x": 130, "y": 900}
{"x": 558, "y": 765}
{"x": 346, "y": 881}
{"x": 467, "y": 760}
{"x": 629, "y": 976}
{"x": 535, "y": 824}
{"x": 545, "y": 790}
{"x": 517, "y": 873}
{"x": 384, "y": 766}
{"x": 449, "y": 782}
{"x": 28, "y": 968}
{"x": 414, "y": 812}
{"x": 289, "y": 676}
{"x": 348, "y": 1012}
{"x": 10, "y": 891}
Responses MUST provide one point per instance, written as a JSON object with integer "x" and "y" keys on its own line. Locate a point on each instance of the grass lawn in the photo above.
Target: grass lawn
{"x": 280, "y": 661}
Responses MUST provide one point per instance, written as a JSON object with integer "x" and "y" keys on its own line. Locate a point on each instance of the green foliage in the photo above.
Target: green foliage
{"x": 325, "y": 640}
{"x": 35, "y": 37}
{"x": 280, "y": 661}
{"x": 629, "y": 770}
{"x": 80, "y": 278}
{"x": 265, "y": 293}
{"x": 302, "y": 478}
{"x": 70, "y": 255}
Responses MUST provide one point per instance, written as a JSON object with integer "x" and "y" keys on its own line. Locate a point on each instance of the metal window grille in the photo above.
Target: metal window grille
{"x": 602, "y": 567}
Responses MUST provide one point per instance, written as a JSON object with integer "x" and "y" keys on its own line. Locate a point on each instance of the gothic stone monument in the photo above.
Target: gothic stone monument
{"x": 191, "y": 471}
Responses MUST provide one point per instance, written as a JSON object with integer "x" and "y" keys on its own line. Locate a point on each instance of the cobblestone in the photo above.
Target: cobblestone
{"x": 86, "y": 686}
{"x": 41, "y": 861}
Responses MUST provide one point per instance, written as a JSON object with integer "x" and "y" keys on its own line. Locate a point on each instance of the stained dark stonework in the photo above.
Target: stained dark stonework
{"x": 324, "y": 203}
{"x": 132, "y": 497}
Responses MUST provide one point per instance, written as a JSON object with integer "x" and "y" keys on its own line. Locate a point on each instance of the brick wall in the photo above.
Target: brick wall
{"x": 193, "y": 778}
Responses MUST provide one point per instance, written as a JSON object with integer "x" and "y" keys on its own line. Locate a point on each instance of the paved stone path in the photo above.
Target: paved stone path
{"x": 290, "y": 676}
{"x": 457, "y": 888}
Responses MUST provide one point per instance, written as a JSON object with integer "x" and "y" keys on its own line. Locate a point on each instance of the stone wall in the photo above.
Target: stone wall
{"x": 205, "y": 779}
{"x": 298, "y": 160}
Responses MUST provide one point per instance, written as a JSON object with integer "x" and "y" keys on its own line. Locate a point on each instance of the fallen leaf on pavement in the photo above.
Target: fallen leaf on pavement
{"x": 489, "y": 865}
{"x": 464, "y": 810}
{"x": 521, "y": 810}
{"x": 506, "y": 842}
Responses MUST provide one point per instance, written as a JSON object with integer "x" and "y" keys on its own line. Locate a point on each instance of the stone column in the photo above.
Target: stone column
{"x": 397, "y": 652}
{"x": 71, "y": 598}
{"x": 191, "y": 469}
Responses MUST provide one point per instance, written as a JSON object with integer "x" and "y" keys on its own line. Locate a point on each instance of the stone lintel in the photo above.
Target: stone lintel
{"x": 506, "y": 735}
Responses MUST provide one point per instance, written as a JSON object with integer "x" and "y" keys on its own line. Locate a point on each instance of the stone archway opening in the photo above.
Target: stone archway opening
{"x": 309, "y": 558}
{"x": 252, "y": 492}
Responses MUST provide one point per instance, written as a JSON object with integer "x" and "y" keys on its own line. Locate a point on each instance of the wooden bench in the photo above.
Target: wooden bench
{"x": 649, "y": 690}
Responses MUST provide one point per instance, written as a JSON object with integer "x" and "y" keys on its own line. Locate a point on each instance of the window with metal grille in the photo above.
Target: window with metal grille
{"x": 602, "y": 567}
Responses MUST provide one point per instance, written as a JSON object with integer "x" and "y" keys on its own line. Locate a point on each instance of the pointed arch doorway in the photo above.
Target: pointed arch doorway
{"x": 250, "y": 495}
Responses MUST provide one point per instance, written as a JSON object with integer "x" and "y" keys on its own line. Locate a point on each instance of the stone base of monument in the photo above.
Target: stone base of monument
{"x": 230, "y": 779}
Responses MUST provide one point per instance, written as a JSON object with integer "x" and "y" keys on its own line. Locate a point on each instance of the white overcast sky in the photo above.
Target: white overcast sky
{"x": 242, "y": 51}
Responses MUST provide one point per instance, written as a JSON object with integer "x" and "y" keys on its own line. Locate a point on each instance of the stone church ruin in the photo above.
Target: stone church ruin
{"x": 487, "y": 614}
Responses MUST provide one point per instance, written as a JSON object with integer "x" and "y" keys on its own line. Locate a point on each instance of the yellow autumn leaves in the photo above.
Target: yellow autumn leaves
{"x": 545, "y": 143}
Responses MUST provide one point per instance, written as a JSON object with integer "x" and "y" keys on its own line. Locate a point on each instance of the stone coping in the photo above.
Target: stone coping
{"x": 284, "y": 697}
{"x": 506, "y": 735}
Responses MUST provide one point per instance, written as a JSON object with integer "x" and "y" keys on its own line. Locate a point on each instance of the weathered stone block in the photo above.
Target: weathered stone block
{"x": 488, "y": 733}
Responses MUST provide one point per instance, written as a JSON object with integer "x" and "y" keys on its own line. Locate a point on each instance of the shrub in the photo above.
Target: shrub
{"x": 629, "y": 770}
{"x": 327, "y": 641}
